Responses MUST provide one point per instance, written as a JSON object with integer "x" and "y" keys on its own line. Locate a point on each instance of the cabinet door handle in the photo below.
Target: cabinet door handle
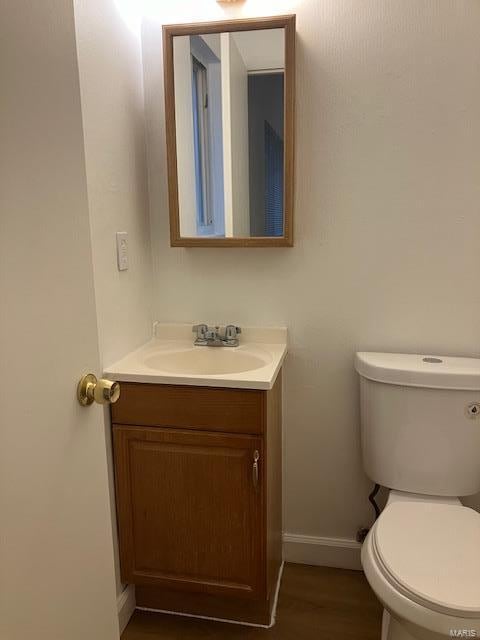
{"x": 256, "y": 458}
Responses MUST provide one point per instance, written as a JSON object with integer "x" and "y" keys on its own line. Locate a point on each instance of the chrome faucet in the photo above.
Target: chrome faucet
{"x": 213, "y": 337}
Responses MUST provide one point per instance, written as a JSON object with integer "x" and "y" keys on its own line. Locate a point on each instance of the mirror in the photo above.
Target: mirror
{"x": 229, "y": 95}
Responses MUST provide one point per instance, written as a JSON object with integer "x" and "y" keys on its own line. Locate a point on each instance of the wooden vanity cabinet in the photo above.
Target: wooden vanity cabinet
{"x": 198, "y": 482}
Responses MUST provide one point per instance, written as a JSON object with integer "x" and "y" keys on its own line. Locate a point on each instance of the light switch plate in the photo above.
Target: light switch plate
{"x": 122, "y": 250}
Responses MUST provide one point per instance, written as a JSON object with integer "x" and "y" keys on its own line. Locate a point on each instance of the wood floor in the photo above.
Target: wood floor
{"x": 316, "y": 603}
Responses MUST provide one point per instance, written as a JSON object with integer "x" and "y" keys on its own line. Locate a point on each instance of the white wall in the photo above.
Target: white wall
{"x": 113, "y": 120}
{"x": 213, "y": 41}
{"x": 387, "y": 225}
{"x": 109, "y": 58}
{"x": 261, "y": 50}
{"x": 187, "y": 200}
{"x": 235, "y": 139}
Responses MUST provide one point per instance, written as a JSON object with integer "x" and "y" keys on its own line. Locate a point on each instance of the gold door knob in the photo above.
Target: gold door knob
{"x": 91, "y": 390}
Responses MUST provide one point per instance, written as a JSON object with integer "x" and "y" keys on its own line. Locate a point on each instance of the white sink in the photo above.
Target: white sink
{"x": 171, "y": 358}
{"x": 207, "y": 361}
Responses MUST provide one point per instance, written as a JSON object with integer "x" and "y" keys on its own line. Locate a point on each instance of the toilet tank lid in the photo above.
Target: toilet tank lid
{"x": 410, "y": 370}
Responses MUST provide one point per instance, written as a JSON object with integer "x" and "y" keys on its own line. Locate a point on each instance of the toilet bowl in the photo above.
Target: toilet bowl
{"x": 421, "y": 437}
{"x": 422, "y": 560}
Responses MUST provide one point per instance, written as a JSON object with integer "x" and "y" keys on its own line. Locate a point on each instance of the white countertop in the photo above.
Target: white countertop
{"x": 161, "y": 360}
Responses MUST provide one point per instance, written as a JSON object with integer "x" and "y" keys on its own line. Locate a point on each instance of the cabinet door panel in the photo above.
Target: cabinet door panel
{"x": 190, "y": 516}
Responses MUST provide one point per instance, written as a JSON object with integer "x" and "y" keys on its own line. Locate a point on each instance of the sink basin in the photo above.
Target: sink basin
{"x": 170, "y": 357}
{"x": 206, "y": 361}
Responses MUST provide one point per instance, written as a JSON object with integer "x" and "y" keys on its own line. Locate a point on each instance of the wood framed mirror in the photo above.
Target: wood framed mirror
{"x": 229, "y": 109}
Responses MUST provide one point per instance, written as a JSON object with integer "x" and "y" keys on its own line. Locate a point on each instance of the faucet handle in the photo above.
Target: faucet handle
{"x": 200, "y": 330}
{"x": 231, "y": 332}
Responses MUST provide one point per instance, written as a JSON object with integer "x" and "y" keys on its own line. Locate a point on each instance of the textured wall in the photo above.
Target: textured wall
{"x": 109, "y": 60}
{"x": 387, "y": 227}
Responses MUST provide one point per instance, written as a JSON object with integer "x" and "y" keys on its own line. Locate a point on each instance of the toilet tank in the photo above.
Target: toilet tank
{"x": 420, "y": 422}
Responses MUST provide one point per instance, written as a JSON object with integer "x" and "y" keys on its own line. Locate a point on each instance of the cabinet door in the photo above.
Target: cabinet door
{"x": 190, "y": 510}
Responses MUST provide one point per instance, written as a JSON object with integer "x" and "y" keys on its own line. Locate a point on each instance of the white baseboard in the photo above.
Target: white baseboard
{"x": 125, "y": 606}
{"x": 323, "y": 552}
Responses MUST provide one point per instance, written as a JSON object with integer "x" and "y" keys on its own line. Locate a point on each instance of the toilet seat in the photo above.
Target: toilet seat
{"x": 430, "y": 553}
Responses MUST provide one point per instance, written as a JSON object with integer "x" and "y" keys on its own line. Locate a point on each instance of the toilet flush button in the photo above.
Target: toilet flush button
{"x": 473, "y": 410}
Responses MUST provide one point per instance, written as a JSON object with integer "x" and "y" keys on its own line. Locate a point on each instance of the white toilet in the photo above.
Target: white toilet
{"x": 420, "y": 421}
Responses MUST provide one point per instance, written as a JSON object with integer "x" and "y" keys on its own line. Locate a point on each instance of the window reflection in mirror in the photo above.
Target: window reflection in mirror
{"x": 229, "y": 123}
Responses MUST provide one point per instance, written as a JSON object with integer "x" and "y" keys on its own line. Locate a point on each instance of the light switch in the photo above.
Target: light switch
{"x": 122, "y": 250}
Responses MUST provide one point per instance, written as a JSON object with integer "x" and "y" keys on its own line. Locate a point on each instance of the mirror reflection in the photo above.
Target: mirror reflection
{"x": 229, "y": 122}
